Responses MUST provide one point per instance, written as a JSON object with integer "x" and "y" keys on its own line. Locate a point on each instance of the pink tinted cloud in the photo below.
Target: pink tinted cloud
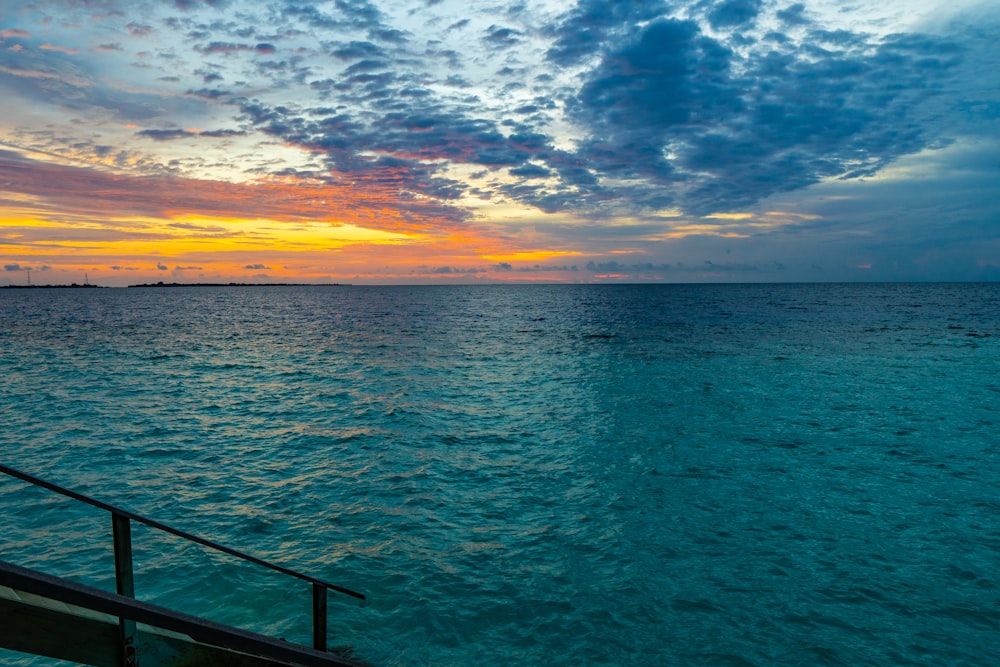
{"x": 60, "y": 49}
{"x": 373, "y": 202}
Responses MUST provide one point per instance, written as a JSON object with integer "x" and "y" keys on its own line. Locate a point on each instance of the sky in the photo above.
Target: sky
{"x": 447, "y": 141}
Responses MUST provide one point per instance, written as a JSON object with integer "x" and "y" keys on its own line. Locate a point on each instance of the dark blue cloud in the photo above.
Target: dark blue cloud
{"x": 613, "y": 266}
{"x": 585, "y": 30}
{"x": 233, "y": 47}
{"x": 502, "y": 37}
{"x": 209, "y": 76}
{"x": 668, "y": 75}
{"x": 186, "y": 5}
{"x": 359, "y": 13}
{"x": 367, "y": 65}
{"x": 734, "y": 13}
{"x": 837, "y": 38}
{"x": 356, "y": 50}
{"x": 309, "y": 14}
{"x": 672, "y": 109}
{"x": 530, "y": 171}
{"x": 345, "y": 16}
{"x": 171, "y": 135}
{"x": 669, "y": 80}
{"x": 218, "y": 134}
{"x": 165, "y": 135}
{"x": 390, "y": 35}
{"x": 139, "y": 29}
{"x": 793, "y": 15}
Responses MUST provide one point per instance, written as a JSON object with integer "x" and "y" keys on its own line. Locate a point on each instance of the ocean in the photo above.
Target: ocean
{"x": 542, "y": 475}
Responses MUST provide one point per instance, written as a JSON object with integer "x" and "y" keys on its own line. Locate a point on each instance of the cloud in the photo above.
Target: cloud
{"x": 683, "y": 113}
{"x": 165, "y": 135}
{"x": 187, "y": 5}
{"x": 388, "y": 35}
{"x": 139, "y": 29}
{"x": 613, "y": 266}
{"x": 672, "y": 76}
{"x": 356, "y": 50}
{"x": 505, "y": 267}
{"x": 231, "y": 47}
{"x": 584, "y": 31}
{"x": 530, "y": 171}
{"x": 793, "y": 15}
{"x": 733, "y": 13}
{"x": 222, "y": 133}
{"x": 171, "y": 135}
{"x": 348, "y": 15}
{"x": 502, "y": 37}
{"x": 406, "y": 144}
{"x": 257, "y": 267}
{"x": 68, "y": 85}
{"x": 61, "y": 49}
{"x": 377, "y": 205}
{"x": 820, "y": 117}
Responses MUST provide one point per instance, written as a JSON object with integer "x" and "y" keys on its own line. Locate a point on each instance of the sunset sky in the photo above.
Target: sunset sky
{"x": 443, "y": 141}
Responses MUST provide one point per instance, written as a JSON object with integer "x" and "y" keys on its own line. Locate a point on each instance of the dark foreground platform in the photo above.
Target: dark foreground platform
{"x": 49, "y": 616}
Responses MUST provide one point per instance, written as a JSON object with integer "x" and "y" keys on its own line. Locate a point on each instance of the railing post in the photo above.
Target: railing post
{"x": 125, "y": 584}
{"x": 319, "y": 617}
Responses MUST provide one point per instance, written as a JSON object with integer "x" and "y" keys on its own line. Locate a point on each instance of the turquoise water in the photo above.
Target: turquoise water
{"x": 600, "y": 475}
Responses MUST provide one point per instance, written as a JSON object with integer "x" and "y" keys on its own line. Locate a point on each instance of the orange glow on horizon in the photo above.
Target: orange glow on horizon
{"x": 67, "y": 219}
{"x": 529, "y": 256}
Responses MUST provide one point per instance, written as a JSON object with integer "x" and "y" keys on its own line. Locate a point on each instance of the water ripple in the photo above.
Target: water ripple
{"x": 698, "y": 475}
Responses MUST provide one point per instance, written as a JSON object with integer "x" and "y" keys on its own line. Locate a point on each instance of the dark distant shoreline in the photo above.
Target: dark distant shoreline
{"x": 71, "y": 286}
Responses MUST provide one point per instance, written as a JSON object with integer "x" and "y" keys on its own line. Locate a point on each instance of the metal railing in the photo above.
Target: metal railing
{"x": 125, "y": 583}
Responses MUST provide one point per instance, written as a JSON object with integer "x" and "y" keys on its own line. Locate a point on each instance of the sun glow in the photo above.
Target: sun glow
{"x": 289, "y": 235}
{"x": 529, "y": 256}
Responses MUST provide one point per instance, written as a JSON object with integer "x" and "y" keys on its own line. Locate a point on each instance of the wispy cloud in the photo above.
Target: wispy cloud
{"x": 60, "y": 49}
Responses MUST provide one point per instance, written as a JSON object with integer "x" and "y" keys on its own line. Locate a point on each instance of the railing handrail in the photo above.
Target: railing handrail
{"x": 114, "y": 510}
{"x": 200, "y": 630}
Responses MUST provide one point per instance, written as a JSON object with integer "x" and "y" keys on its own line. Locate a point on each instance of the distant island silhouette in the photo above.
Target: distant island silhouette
{"x": 70, "y": 286}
